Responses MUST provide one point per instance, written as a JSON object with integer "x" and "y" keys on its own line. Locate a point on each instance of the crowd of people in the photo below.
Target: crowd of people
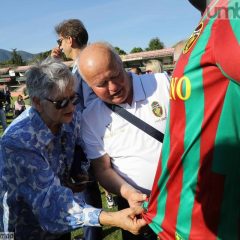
{"x": 6, "y": 106}
{"x": 167, "y": 149}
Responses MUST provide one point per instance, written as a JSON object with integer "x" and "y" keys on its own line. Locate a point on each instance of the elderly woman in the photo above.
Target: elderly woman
{"x": 36, "y": 156}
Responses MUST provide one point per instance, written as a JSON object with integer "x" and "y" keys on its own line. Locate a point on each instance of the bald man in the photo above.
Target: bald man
{"x": 124, "y": 157}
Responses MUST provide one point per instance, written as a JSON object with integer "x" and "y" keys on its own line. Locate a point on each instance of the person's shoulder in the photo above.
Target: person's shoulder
{"x": 19, "y": 131}
{"x": 97, "y": 114}
{"x": 15, "y": 134}
{"x": 161, "y": 76}
{"x": 151, "y": 81}
{"x": 94, "y": 107}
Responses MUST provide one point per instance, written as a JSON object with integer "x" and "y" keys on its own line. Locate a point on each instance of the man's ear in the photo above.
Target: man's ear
{"x": 71, "y": 41}
{"x": 36, "y": 102}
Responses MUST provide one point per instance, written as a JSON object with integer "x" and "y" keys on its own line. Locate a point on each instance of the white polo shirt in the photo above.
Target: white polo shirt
{"x": 134, "y": 154}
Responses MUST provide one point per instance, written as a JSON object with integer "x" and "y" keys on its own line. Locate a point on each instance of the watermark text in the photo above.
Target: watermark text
{"x": 6, "y": 236}
{"x": 232, "y": 12}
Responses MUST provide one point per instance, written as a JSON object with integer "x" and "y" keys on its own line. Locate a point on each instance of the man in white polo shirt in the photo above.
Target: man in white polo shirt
{"x": 124, "y": 157}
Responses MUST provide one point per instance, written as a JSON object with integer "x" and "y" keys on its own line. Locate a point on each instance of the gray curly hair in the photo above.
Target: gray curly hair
{"x": 46, "y": 76}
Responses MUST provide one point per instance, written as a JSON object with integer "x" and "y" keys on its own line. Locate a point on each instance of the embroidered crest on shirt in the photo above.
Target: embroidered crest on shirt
{"x": 193, "y": 38}
{"x": 157, "y": 109}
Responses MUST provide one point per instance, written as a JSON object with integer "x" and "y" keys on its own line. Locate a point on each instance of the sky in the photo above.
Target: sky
{"x": 28, "y": 25}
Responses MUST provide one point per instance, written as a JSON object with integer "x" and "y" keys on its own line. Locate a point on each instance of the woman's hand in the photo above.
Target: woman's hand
{"x": 128, "y": 219}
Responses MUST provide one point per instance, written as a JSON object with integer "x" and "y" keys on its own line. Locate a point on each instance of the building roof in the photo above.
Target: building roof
{"x": 4, "y": 70}
{"x": 125, "y": 58}
{"x": 148, "y": 54}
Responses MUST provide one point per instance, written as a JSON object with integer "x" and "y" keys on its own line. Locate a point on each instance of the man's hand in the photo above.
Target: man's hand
{"x": 56, "y": 52}
{"x": 127, "y": 219}
{"x": 133, "y": 196}
{"x": 136, "y": 199}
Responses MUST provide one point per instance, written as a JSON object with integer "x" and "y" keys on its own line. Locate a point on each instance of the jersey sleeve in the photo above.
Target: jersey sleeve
{"x": 227, "y": 44}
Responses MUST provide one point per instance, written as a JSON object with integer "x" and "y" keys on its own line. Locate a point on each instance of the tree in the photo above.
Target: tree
{"x": 155, "y": 44}
{"x": 16, "y": 58}
{"x": 41, "y": 56}
{"x": 120, "y": 51}
{"x": 136, "y": 50}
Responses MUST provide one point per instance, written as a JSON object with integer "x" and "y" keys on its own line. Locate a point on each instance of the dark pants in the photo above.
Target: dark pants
{"x": 66, "y": 236}
{"x": 93, "y": 197}
{"x": 147, "y": 234}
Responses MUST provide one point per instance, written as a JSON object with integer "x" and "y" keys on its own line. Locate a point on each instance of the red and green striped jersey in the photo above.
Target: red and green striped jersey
{"x": 196, "y": 193}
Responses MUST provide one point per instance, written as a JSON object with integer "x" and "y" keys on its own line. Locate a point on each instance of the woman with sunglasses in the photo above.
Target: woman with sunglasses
{"x": 37, "y": 151}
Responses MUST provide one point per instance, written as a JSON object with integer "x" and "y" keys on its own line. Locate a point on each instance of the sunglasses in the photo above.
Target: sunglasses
{"x": 59, "y": 42}
{"x": 64, "y": 102}
{"x": 148, "y": 71}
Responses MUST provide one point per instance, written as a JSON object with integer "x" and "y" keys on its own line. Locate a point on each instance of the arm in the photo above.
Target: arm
{"x": 126, "y": 219}
{"x": 114, "y": 183}
{"x": 92, "y": 132}
{"x": 55, "y": 206}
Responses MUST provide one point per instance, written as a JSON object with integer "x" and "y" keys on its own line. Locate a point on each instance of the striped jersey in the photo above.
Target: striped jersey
{"x": 196, "y": 192}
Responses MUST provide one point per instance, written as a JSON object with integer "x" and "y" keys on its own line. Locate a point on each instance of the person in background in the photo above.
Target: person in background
{"x": 19, "y": 106}
{"x": 153, "y": 66}
{"x": 39, "y": 196}
{"x": 2, "y": 112}
{"x": 136, "y": 70}
{"x": 8, "y": 99}
{"x": 196, "y": 193}
{"x": 73, "y": 38}
{"x": 124, "y": 157}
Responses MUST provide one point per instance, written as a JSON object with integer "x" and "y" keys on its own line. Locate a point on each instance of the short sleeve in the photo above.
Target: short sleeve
{"x": 227, "y": 46}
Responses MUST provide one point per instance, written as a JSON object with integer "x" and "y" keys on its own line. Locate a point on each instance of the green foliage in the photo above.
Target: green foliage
{"x": 136, "y": 50}
{"x": 16, "y": 59}
{"x": 43, "y": 55}
{"x": 5, "y": 64}
{"x": 155, "y": 44}
{"x": 120, "y": 51}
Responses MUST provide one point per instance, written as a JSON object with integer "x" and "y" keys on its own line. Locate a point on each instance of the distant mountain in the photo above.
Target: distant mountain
{"x": 6, "y": 55}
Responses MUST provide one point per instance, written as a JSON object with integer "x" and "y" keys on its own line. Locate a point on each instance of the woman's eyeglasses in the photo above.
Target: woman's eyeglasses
{"x": 64, "y": 102}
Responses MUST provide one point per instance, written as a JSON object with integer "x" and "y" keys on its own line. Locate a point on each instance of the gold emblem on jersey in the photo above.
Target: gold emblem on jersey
{"x": 157, "y": 109}
{"x": 178, "y": 236}
{"x": 195, "y": 35}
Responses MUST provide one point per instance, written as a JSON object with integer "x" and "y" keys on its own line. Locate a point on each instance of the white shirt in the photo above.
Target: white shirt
{"x": 134, "y": 154}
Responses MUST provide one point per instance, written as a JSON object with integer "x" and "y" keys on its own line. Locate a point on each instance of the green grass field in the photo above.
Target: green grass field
{"x": 109, "y": 233}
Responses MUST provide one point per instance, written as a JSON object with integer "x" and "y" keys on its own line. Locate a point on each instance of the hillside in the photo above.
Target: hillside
{"x": 6, "y": 55}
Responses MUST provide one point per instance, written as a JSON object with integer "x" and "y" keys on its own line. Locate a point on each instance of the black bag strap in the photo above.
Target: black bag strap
{"x": 153, "y": 132}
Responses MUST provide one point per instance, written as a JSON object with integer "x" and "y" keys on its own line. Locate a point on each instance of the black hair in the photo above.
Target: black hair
{"x": 199, "y": 4}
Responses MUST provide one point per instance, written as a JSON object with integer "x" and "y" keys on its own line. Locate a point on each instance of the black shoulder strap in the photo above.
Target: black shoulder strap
{"x": 153, "y": 132}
